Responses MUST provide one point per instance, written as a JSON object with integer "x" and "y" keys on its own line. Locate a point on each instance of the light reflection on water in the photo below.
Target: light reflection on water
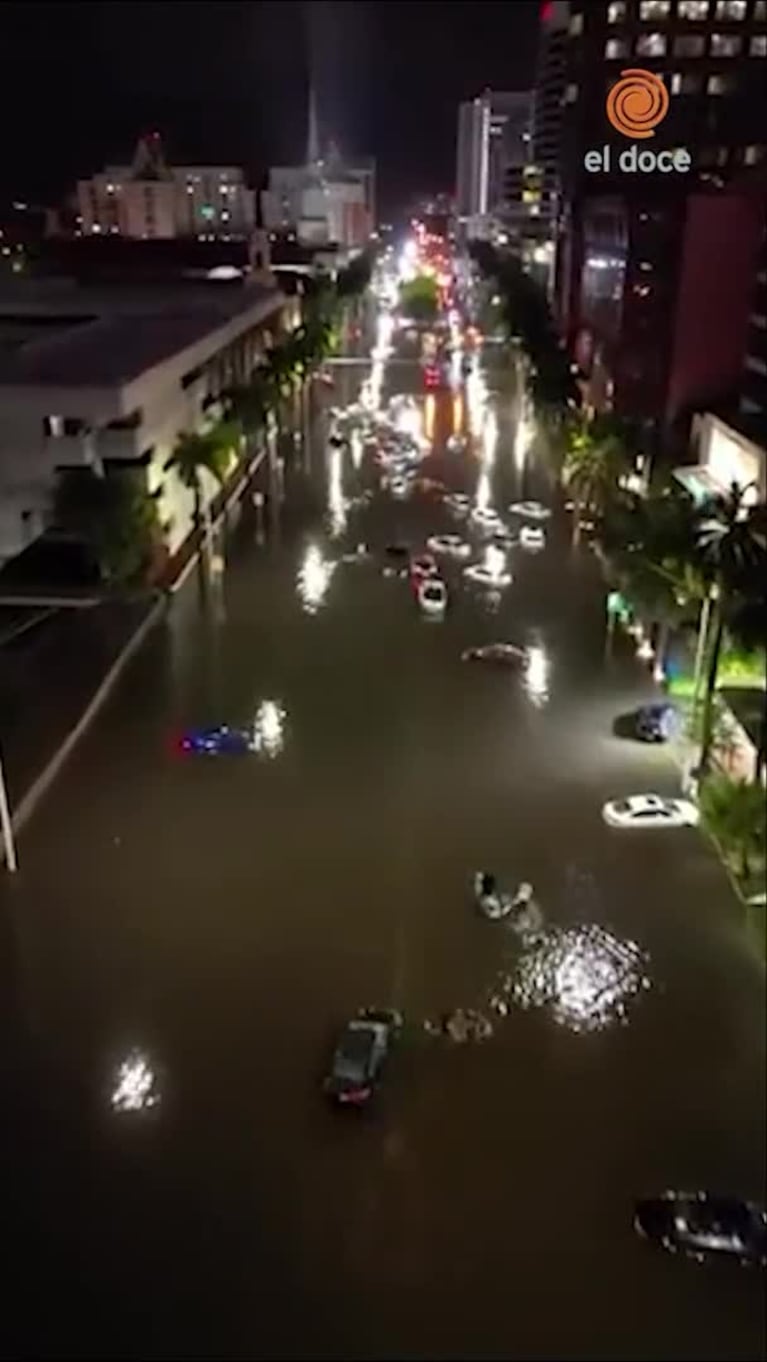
{"x": 584, "y": 976}
{"x": 135, "y": 1085}
{"x": 314, "y": 577}
{"x": 535, "y": 677}
{"x": 337, "y": 504}
{"x": 269, "y": 728}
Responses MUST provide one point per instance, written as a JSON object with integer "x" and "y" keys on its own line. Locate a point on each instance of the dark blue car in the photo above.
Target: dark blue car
{"x": 657, "y": 723}
{"x": 214, "y": 742}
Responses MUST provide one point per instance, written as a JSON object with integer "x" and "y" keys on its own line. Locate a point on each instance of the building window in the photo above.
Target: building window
{"x": 760, "y": 11}
{"x": 571, "y": 94}
{"x": 654, "y": 9}
{"x": 725, "y": 44}
{"x": 690, "y": 45}
{"x": 720, "y": 85}
{"x": 696, "y": 10}
{"x": 616, "y": 49}
{"x": 651, "y": 45}
{"x": 753, "y": 155}
{"x": 731, "y": 9}
{"x": 756, "y": 365}
{"x": 576, "y": 25}
{"x": 616, "y": 12}
{"x": 758, "y": 47}
{"x": 688, "y": 83}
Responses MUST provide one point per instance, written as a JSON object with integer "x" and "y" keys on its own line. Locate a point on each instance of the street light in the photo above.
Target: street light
{"x": 6, "y": 826}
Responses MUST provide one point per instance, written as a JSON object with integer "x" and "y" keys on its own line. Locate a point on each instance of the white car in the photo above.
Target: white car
{"x": 485, "y": 517}
{"x": 450, "y": 544}
{"x": 496, "y": 579}
{"x": 432, "y": 596}
{"x": 531, "y": 510}
{"x": 532, "y": 537}
{"x": 458, "y": 503}
{"x": 650, "y": 811}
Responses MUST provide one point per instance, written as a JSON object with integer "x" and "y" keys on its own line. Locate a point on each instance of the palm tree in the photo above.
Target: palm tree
{"x": 735, "y": 813}
{"x": 211, "y": 451}
{"x": 733, "y": 552}
{"x": 593, "y": 463}
{"x": 115, "y": 516}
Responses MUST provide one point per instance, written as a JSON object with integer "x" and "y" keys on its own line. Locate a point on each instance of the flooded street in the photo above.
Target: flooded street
{"x": 224, "y": 917}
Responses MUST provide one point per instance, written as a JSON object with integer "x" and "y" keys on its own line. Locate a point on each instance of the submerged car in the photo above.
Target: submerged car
{"x": 650, "y": 811}
{"x": 450, "y": 544}
{"x": 500, "y": 654}
{"x": 217, "y": 741}
{"x": 656, "y": 723}
{"x": 432, "y": 595}
{"x": 703, "y": 1226}
{"x": 360, "y": 1054}
{"x": 532, "y": 537}
{"x": 531, "y": 510}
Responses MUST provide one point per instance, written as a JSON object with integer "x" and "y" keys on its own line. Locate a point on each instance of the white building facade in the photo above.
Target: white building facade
{"x": 120, "y": 389}
{"x": 152, "y": 200}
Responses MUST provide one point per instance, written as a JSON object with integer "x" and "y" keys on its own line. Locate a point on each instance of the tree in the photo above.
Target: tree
{"x": 733, "y": 552}
{"x": 419, "y": 298}
{"x": 355, "y": 278}
{"x": 211, "y": 451}
{"x": 735, "y": 811}
{"x": 115, "y": 516}
{"x": 594, "y": 461}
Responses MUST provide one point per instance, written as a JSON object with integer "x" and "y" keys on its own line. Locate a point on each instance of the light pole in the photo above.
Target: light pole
{"x": 6, "y": 826}
{"x": 705, "y": 612}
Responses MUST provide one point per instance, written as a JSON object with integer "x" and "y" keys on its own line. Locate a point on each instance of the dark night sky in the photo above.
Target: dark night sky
{"x": 224, "y": 81}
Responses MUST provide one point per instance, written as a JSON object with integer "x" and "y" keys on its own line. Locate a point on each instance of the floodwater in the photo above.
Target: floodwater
{"x": 222, "y": 917}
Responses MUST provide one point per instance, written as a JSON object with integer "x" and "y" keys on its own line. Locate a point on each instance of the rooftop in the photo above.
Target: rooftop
{"x": 117, "y": 346}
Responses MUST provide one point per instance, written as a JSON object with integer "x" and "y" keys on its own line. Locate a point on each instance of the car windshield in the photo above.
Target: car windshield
{"x": 353, "y": 1053}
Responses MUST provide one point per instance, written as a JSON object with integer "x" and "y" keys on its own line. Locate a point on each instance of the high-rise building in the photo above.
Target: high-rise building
{"x": 637, "y": 251}
{"x": 151, "y": 200}
{"x": 493, "y": 148}
{"x": 753, "y": 393}
{"x": 543, "y": 174}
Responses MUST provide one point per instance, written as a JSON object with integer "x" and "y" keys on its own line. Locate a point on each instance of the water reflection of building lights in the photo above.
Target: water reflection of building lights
{"x": 408, "y": 420}
{"x": 336, "y": 500}
{"x": 645, "y": 650}
{"x": 356, "y": 446}
{"x": 483, "y": 496}
{"x": 489, "y": 438}
{"x": 429, "y": 413}
{"x": 269, "y": 728}
{"x": 458, "y": 413}
{"x": 314, "y": 577}
{"x": 585, "y": 976}
{"x": 536, "y": 675}
{"x": 522, "y": 440}
{"x": 135, "y": 1087}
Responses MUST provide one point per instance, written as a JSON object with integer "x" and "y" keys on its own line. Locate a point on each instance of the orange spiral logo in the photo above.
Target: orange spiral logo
{"x": 637, "y": 103}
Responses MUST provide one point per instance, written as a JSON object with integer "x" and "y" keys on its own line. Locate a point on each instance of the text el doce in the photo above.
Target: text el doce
{"x": 634, "y": 161}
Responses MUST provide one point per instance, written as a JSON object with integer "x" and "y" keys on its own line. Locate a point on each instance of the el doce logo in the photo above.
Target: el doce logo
{"x": 636, "y": 104}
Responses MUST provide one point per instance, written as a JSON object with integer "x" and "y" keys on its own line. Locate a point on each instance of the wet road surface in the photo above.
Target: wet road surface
{"x": 226, "y": 915}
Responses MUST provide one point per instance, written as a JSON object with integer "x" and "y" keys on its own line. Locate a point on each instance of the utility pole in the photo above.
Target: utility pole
{"x": 6, "y": 826}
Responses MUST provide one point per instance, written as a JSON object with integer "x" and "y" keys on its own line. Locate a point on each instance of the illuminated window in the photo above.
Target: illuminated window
{"x": 651, "y": 45}
{"x": 616, "y": 49}
{"x": 693, "y": 9}
{"x": 654, "y": 9}
{"x": 690, "y": 45}
{"x": 571, "y": 94}
{"x": 576, "y": 25}
{"x": 760, "y": 11}
{"x": 758, "y": 46}
{"x": 720, "y": 85}
{"x": 616, "y": 12}
{"x": 753, "y": 155}
{"x": 725, "y": 44}
{"x": 731, "y": 9}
